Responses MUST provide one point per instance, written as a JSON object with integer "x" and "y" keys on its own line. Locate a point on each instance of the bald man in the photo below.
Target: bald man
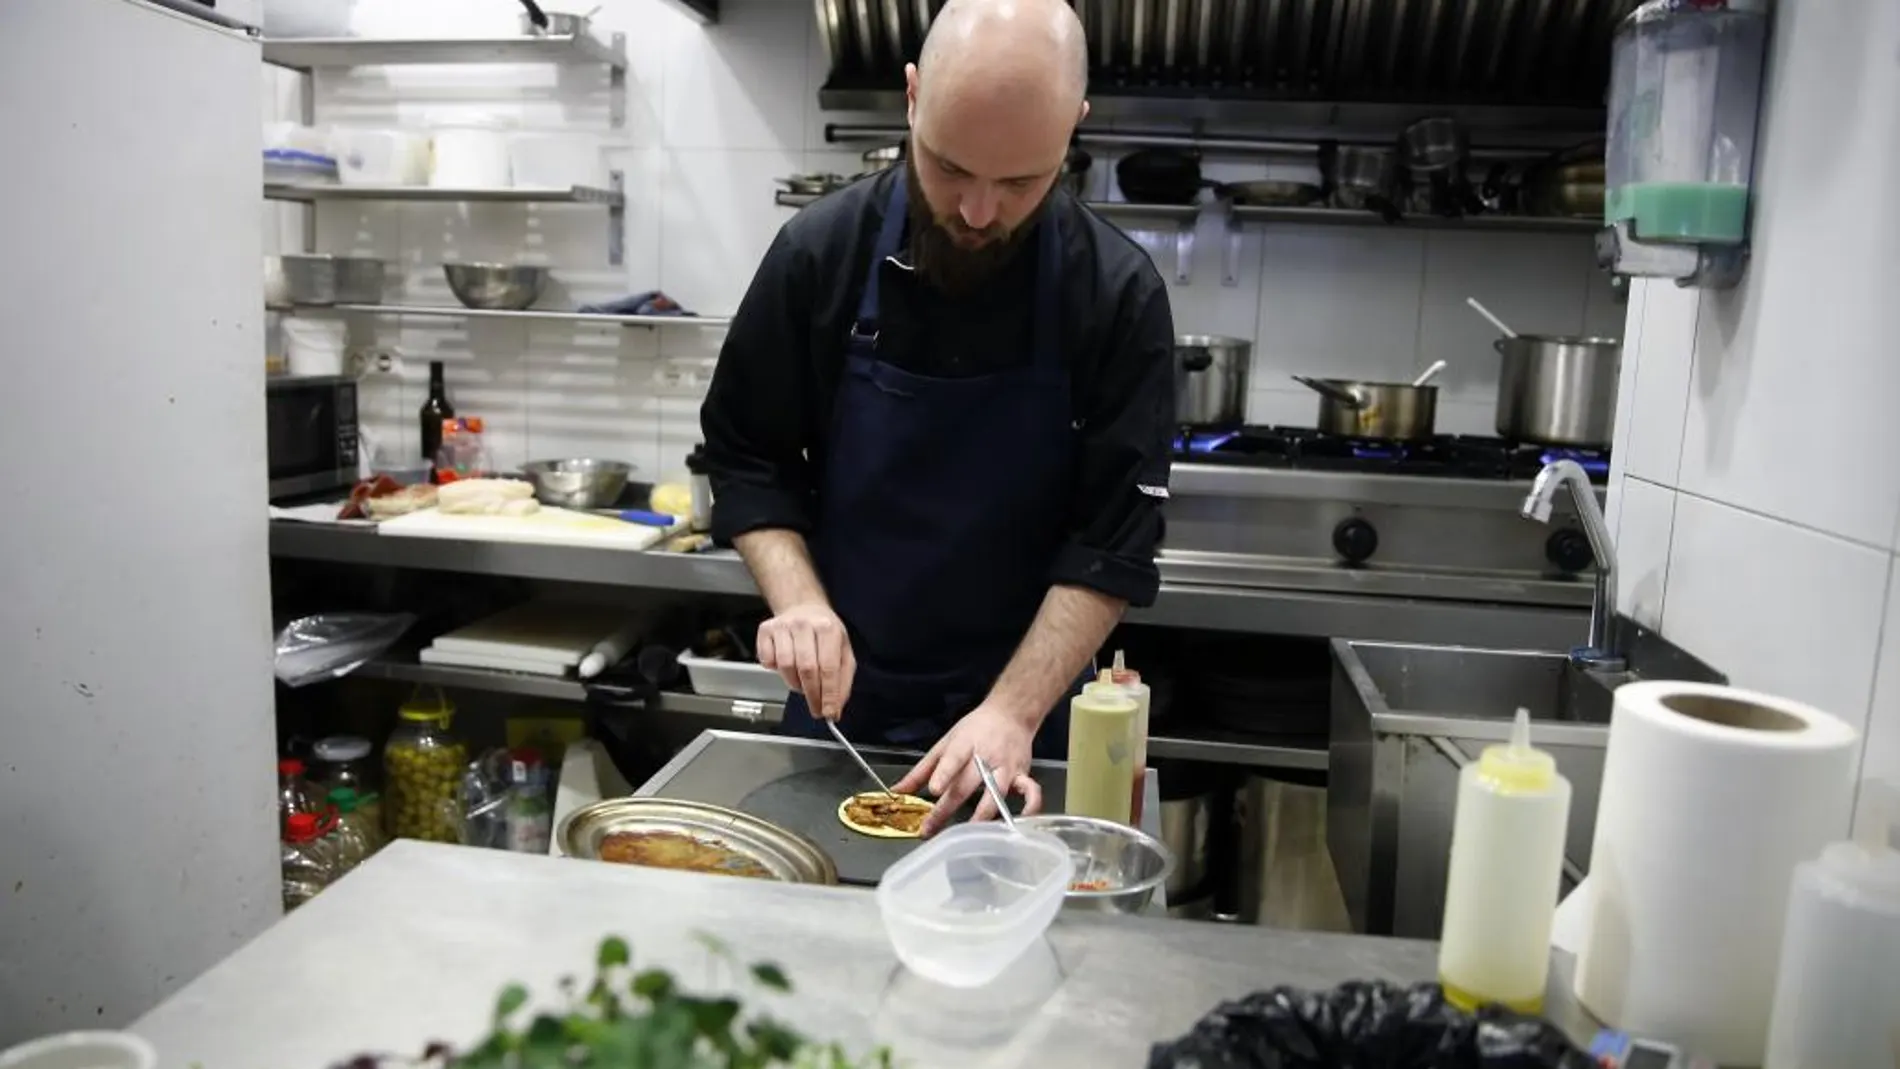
{"x": 939, "y": 428}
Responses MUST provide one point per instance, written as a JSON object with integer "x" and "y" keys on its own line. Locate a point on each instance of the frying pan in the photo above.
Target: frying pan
{"x": 1393, "y": 411}
{"x": 1159, "y": 176}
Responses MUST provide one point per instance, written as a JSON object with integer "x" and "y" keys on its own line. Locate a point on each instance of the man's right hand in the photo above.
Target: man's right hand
{"x": 807, "y": 645}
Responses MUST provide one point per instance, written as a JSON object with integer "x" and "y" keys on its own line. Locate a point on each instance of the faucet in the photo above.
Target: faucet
{"x": 1603, "y": 652}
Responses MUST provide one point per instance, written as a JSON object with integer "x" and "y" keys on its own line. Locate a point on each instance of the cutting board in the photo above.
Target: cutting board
{"x": 550, "y": 526}
{"x": 550, "y": 633}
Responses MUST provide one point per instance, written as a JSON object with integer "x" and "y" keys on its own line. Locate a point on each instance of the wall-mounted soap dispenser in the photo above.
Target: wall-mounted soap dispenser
{"x": 1685, "y": 90}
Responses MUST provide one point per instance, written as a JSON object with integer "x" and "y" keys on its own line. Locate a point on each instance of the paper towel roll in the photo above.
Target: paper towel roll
{"x": 1711, "y": 796}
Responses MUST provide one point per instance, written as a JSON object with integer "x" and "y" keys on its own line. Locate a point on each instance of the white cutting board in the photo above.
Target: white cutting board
{"x": 464, "y": 659}
{"x": 550, "y": 526}
{"x": 551, "y": 633}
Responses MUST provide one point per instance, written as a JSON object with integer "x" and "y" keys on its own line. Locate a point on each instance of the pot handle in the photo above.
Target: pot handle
{"x": 1196, "y": 360}
{"x": 1328, "y": 390}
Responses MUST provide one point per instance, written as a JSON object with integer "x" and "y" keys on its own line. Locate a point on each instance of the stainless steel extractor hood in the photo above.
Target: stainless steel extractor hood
{"x": 1547, "y": 61}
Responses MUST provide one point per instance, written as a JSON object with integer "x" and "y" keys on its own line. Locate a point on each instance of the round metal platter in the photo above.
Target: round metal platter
{"x": 790, "y": 857}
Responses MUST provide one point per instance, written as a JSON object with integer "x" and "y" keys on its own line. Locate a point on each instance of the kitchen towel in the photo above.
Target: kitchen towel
{"x": 1711, "y": 796}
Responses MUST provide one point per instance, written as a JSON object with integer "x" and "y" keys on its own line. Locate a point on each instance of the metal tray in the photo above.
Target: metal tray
{"x": 789, "y": 856}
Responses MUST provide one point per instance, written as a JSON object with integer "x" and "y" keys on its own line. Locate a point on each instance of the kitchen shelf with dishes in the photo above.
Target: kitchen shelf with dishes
{"x": 1211, "y": 746}
{"x": 1185, "y": 217}
{"x": 526, "y": 315}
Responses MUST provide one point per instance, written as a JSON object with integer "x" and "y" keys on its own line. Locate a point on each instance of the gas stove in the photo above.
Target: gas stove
{"x": 1445, "y": 455}
{"x": 1292, "y": 508}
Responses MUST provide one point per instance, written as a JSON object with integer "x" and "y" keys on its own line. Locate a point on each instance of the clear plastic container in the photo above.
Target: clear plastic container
{"x": 356, "y": 836}
{"x": 293, "y": 792}
{"x": 963, "y": 906}
{"x": 422, "y": 773}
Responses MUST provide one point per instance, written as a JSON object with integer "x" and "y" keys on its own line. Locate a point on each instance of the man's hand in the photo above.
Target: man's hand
{"x": 1003, "y": 738}
{"x": 807, "y": 645}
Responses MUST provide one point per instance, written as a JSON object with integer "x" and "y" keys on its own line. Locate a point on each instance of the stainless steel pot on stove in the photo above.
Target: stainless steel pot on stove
{"x": 1210, "y": 380}
{"x": 1391, "y": 411}
{"x": 1558, "y": 391}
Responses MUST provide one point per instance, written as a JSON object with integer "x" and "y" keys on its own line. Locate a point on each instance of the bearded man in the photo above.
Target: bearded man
{"x": 939, "y": 429}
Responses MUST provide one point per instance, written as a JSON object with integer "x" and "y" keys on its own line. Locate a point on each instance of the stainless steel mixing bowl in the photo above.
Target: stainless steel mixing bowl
{"x": 505, "y": 287}
{"x": 1132, "y": 862}
{"x": 578, "y": 482}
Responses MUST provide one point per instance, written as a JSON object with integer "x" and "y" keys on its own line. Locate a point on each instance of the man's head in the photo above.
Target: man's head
{"x": 993, "y": 100}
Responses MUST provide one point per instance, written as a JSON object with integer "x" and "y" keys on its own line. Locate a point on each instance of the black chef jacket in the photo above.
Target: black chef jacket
{"x": 768, "y": 411}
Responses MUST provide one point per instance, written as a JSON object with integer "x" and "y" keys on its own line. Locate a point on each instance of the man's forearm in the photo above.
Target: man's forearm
{"x": 781, "y": 565}
{"x": 1071, "y": 625}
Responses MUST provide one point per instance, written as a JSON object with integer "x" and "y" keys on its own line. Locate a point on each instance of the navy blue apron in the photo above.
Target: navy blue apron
{"x": 942, "y": 506}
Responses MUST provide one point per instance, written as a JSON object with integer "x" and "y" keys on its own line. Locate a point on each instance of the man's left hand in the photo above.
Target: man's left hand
{"x": 949, "y": 771}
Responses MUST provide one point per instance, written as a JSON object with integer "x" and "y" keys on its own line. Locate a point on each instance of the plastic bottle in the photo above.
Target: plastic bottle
{"x": 309, "y": 859}
{"x": 1507, "y": 854}
{"x": 1130, "y": 680}
{"x": 293, "y": 792}
{"x": 1101, "y": 772}
{"x": 356, "y": 836}
{"x": 1837, "y": 991}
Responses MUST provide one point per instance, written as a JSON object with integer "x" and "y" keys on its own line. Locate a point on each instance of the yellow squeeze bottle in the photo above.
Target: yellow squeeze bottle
{"x": 1101, "y": 752}
{"x": 1507, "y": 854}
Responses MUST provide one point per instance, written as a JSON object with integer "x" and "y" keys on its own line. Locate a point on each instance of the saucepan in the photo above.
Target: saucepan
{"x": 1395, "y": 411}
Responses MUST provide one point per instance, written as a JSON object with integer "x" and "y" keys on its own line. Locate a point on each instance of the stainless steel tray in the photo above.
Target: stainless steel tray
{"x": 790, "y": 857}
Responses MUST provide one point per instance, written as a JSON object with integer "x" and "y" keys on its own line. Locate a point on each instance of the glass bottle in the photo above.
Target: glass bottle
{"x": 422, "y": 773}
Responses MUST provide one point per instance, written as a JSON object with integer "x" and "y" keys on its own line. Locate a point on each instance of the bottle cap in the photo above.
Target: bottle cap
{"x": 420, "y": 707}
{"x": 451, "y": 427}
{"x": 344, "y": 798}
{"x": 341, "y": 748}
{"x": 1123, "y": 674}
{"x": 301, "y": 827}
{"x": 1518, "y": 767}
{"x": 290, "y": 766}
{"x": 474, "y": 424}
{"x": 1106, "y": 694}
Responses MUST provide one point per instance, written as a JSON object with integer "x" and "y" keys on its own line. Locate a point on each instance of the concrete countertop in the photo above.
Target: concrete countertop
{"x": 415, "y": 945}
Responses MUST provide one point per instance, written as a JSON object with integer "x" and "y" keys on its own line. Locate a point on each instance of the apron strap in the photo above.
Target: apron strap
{"x": 890, "y": 233}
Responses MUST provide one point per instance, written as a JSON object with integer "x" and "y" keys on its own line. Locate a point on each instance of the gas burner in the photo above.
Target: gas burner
{"x": 1446, "y": 455}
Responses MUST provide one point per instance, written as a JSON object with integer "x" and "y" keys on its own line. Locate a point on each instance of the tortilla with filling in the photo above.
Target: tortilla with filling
{"x": 676, "y": 850}
{"x": 884, "y": 816}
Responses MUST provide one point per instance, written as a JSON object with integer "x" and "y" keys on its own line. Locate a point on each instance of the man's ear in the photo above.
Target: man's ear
{"x": 910, "y": 94}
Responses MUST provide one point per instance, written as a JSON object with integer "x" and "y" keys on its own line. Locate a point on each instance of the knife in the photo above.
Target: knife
{"x": 858, "y": 757}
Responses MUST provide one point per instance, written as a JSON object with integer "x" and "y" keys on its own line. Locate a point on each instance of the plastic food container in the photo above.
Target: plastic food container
{"x": 734, "y": 679}
{"x": 964, "y": 906}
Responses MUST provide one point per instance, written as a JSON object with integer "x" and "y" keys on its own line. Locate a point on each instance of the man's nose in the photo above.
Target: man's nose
{"x": 979, "y": 208}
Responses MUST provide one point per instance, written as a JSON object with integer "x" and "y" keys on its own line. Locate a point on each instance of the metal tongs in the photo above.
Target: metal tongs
{"x": 859, "y": 758}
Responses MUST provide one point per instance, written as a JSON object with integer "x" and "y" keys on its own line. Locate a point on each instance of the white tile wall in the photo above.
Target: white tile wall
{"x": 1763, "y": 408}
{"x": 1778, "y": 607}
{"x": 714, "y": 115}
{"x": 1646, "y": 523}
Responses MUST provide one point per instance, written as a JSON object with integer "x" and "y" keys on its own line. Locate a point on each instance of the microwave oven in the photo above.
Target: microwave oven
{"x": 312, "y": 434}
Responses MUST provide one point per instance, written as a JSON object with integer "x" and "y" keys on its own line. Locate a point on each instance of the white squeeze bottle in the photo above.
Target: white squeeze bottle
{"x": 1507, "y": 856}
{"x": 1130, "y": 680}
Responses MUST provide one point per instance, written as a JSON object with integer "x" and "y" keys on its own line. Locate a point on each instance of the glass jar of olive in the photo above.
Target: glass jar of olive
{"x": 422, "y": 772}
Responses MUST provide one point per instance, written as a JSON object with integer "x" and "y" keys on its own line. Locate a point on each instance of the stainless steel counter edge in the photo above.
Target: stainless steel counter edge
{"x": 1257, "y": 610}
{"x": 1362, "y": 488}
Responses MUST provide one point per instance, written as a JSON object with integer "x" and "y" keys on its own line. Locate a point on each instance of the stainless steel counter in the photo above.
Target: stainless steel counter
{"x": 1260, "y": 597}
{"x": 414, "y": 946}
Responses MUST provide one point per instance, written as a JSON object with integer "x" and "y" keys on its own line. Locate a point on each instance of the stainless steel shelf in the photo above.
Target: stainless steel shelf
{"x": 1530, "y": 224}
{"x": 529, "y": 315}
{"x": 311, "y": 53}
{"x": 612, "y": 198}
{"x": 1227, "y": 751}
{"x": 1107, "y": 209}
{"x": 403, "y": 669}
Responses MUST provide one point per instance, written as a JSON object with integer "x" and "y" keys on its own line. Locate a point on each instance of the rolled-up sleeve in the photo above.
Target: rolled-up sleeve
{"x": 757, "y": 409}
{"x": 1125, "y": 449}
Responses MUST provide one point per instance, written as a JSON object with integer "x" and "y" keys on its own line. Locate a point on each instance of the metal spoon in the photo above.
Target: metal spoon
{"x": 1503, "y": 328}
{"x": 996, "y": 793}
{"x": 1428, "y": 374}
{"x": 858, "y": 757}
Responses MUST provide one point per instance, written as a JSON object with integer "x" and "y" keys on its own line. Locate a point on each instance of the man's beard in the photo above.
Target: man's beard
{"x": 958, "y": 270}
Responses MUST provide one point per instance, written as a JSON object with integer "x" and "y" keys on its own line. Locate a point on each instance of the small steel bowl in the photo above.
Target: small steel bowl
{"x": 579, "y": 482}
{"x": 505, "y": 287}
{"x": 1134, "y": 863}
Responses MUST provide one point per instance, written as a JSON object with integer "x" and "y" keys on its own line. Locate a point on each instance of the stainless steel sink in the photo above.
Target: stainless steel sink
{"x": 1462, "y": 683}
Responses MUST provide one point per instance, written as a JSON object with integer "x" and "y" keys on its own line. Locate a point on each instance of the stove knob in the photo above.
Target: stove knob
{"x": 1355, "y": 540}
{"x": 1569, "y": 549}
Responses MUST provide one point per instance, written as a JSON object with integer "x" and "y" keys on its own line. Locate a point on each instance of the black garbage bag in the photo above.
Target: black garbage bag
{"x": 1366, "y": 1025}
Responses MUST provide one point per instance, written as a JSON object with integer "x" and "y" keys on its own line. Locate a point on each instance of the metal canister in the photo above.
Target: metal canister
{"x": 1210, "y": 380}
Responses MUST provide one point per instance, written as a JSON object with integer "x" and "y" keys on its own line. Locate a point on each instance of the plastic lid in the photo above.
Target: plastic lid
{"x": 301, "y": 828}
{"x": 290, "y": 766}
{"x": 423, "y": 708}
{"x": 341, "y": 748}
{"x": 473, "y": 424}
{"x": 344, "y": 798}
{"x": 1518, "y": 767}
{"x": 451, "y": 427}
{"x": 1106, "y": 694}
